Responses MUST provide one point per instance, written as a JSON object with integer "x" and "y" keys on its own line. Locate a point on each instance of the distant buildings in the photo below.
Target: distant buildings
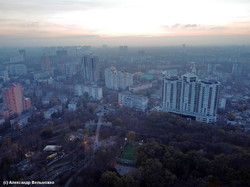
{"x": 211, "y": 68}
{"x": 237, "y": 70}
{"x": 133, "y": 101}
{"x": 17, "y": 69}
{"x": 62, "y": 53}
{"x": 93, "y": 91}
{"x": 117, "y": 79}
{"x": 191, "y": 97}
{"x": 123, "y": 48}
{"x": 17, "y": 59}
{"x": 13, "y": 99}
{"x": 170, "y": 72}
{"x": 4, "y": 75}
{"x": 90, "y": 69}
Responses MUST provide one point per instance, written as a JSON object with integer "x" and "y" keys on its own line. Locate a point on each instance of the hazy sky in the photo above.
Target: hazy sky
{"x": 116, "y": 18}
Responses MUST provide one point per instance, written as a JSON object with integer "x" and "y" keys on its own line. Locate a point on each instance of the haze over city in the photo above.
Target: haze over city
{"x": 138, "y": 23}
{"x": 125, "y": 93}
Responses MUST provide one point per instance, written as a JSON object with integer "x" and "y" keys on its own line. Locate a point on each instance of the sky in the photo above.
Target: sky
{"x": 113, "y": 21}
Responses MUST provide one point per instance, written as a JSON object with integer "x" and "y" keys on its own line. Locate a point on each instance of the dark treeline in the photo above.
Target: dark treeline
{"x": 177, "y": 153}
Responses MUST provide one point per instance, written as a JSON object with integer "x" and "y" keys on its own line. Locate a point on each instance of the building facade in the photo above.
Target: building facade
{"x": 191, "y": 97}
{"x": 13, "y": 99}
{"x": 17, "y": 69}
{"x": 93, "y": 91}
{"x": 45, "y": 63}
{"x": 90, "y": 69}
{"x": 116, "y": 80}
{"x": 137, "y": 102}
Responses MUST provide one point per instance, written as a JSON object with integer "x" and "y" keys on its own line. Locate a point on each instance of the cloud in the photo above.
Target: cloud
{"x": 47, "y": 7}
{"x": 41, "y": 28}
{"x": 180, "y": 26}
{"x": 190, "y": 25}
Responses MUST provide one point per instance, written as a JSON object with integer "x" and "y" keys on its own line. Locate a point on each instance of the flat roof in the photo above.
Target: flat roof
{"x": 52, "y": 148}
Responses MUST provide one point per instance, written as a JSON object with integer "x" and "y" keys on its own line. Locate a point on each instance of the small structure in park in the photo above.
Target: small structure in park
{"x": 52, "y": 148}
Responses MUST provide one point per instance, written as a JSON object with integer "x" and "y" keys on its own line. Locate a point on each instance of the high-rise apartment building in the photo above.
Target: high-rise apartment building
{"x": 117, "y": 79}
{"x": 45, "y": 63}
{"x": 190, "y": 96}
{"x": 90, "y": 68}
{"x": 111, "y": 78}
{"x": 13, "y": 99}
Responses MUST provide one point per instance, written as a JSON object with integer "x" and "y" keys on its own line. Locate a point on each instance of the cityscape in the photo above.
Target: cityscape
{"x": 115, "y": 102}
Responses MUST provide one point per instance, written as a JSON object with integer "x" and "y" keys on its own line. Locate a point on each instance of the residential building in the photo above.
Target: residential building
{"x": 90, "y": 68}
{"x": 125, "y": 79}
{"x": 191, "y": 97}
{"x": 117, "y": 79}
{"x": 20, "y": 121}
{"x": 48, "y": 113}
{"x": 72, "y": 106}
{"x": 111, "y": 78}
{"x": 4, "y": 75}
{"x": 211, "y": 68}
{"x": 17, "y": 59}
{"x": 17, "y": 69}
{"x": 14, "y": 100}
{"x": 133, "y": 101}
{"x": 94, "y": 91}
{"x": 45, "y": 63}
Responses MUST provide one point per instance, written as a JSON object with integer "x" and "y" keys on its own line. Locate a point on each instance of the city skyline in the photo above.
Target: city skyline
{"x": 111, "y": 21}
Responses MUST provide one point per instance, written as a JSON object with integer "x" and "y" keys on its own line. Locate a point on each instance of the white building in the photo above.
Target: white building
{"x": 72, "y": 106}
{"x": 133, "y": 101}
{"x": 125, "y": 80}
{"x": 94, "y": 91}
{"x": 16, "y": 59}
{"x": 191, "y": 97}
{"x": 4, "y": 75}
{"x": 170, "y": 72}
{"x": 111, "y": 78}
{"x": 48, "y": 113}
{"x": 222, "y": 103}
{"x": 117, "y": 79}
{"x": 17, "y": 69}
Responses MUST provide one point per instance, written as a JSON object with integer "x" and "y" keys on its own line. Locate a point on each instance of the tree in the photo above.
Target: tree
{"x": 110, "y": 179}
{"x": 117, "y": 122}
{"x": 231, "y": 116}
{"x": 131, "y": 136}
{"x": 128, "y": 180}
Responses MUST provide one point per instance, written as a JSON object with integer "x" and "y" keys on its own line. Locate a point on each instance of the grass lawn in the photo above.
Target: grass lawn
{"x": 128, "y": 152}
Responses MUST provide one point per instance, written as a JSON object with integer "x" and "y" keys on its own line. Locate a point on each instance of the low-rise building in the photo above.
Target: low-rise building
{"x": 20, "y": 122}
{"x": 48, "y": 113}
{"x": 72, "y": 106}
{"x": 140, "y": 87}
{"x": 133, "y": 101}
{"x": 94, "y": 91}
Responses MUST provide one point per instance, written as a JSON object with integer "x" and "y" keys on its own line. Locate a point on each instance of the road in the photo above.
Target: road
{"x": 99, "y": 124}
{"x": 88, "y": 160}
